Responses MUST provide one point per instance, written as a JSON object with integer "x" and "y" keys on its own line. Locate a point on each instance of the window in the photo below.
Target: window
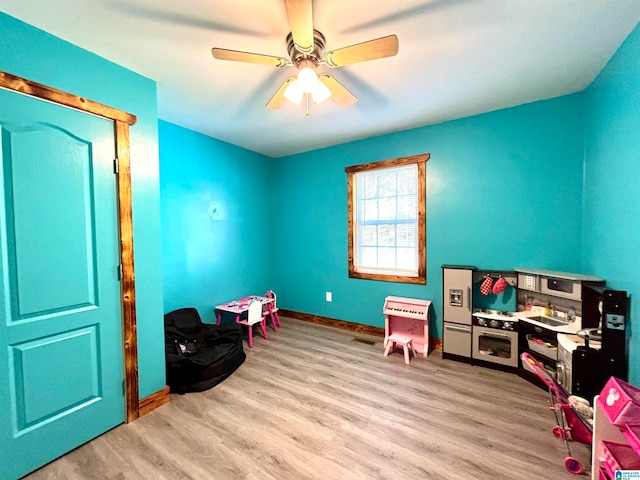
{"x": 387, "y": 220}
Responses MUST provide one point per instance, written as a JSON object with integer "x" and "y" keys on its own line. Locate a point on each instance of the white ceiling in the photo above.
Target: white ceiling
{"x": 456, "y": 58}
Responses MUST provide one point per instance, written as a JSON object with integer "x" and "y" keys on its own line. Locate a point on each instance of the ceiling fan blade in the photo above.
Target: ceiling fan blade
{"x": 362, "y": 52}
{"x": 339, "y": 93}
{"x": 301, "y": 23}
{"x": 278, "y": 98}
{"x": 238, "y": 56}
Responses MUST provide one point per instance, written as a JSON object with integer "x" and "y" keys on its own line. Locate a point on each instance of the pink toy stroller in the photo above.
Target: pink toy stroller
{"x": 570, "y": 425}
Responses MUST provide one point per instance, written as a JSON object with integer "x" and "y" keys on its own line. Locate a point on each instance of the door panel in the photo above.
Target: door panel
{"x": 43, "y": 195}
{"x": 50, "y": 365}
{"x": 61, "y": 347}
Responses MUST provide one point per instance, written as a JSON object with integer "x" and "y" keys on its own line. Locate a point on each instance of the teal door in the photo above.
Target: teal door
{"x": 61, "y": 347}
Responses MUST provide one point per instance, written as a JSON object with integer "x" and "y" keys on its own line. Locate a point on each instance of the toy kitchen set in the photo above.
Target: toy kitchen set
{"x": 571, "y": 323}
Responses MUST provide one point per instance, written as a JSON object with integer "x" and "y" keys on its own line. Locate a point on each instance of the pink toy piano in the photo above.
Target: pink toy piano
{"x": 408, "y": 317}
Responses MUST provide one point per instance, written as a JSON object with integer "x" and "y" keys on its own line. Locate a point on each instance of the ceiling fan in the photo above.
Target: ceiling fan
{"x": 306, "y": 48}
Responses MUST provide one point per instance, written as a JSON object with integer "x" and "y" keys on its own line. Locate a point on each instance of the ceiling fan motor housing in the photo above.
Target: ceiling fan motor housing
{"x": 318, "y": 50}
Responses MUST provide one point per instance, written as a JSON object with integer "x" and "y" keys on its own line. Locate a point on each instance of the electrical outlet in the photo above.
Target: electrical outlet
{"x": 328, "y": 296}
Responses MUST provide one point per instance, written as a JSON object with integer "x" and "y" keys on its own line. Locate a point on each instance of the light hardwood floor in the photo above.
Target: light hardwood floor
{"x": 312, "y": 403}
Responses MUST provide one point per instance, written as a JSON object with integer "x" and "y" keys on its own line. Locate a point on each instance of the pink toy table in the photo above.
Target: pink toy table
{"x": 242, "y": 305}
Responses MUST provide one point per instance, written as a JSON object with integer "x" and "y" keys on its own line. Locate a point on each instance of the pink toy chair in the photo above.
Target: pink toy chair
{"x": 275, "y": 318}
{"x": 254, "y": 315}
{"x": 405, "y": 342}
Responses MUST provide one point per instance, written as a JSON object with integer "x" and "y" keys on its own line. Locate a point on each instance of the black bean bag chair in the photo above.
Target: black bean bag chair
{"x": 199, "y": 355}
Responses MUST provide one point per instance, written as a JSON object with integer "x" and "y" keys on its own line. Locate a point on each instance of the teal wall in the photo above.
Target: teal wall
{"x": 612, "y": 193}
{"x": 504, "y": 189}
{"x": 209, "y": 258}
{"x": 33, "y": 54}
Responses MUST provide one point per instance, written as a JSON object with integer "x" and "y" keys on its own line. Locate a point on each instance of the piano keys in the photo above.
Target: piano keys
{"x": 408, "y": 317}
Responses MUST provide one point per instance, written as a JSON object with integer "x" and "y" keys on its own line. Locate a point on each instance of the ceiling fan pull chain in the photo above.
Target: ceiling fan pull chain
{"x": 307, "y": 98}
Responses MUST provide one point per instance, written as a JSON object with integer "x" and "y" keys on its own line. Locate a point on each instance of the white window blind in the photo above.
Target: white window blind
{"x": 386, "y": 224}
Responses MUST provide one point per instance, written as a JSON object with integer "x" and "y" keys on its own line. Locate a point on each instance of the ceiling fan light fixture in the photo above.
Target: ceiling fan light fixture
{"x": 307, "y": 79}
{"x": 294, "y": 92}
{"x": 320, "y": 93}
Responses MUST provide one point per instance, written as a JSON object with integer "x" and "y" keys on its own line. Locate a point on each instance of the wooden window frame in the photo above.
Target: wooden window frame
{"x": 420, "y": 161}
{"x": 122, "y": 120}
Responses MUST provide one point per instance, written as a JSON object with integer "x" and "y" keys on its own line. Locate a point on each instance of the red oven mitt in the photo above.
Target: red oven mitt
{"x": 500, "y": 286}
{"x": 485, "y": 288}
